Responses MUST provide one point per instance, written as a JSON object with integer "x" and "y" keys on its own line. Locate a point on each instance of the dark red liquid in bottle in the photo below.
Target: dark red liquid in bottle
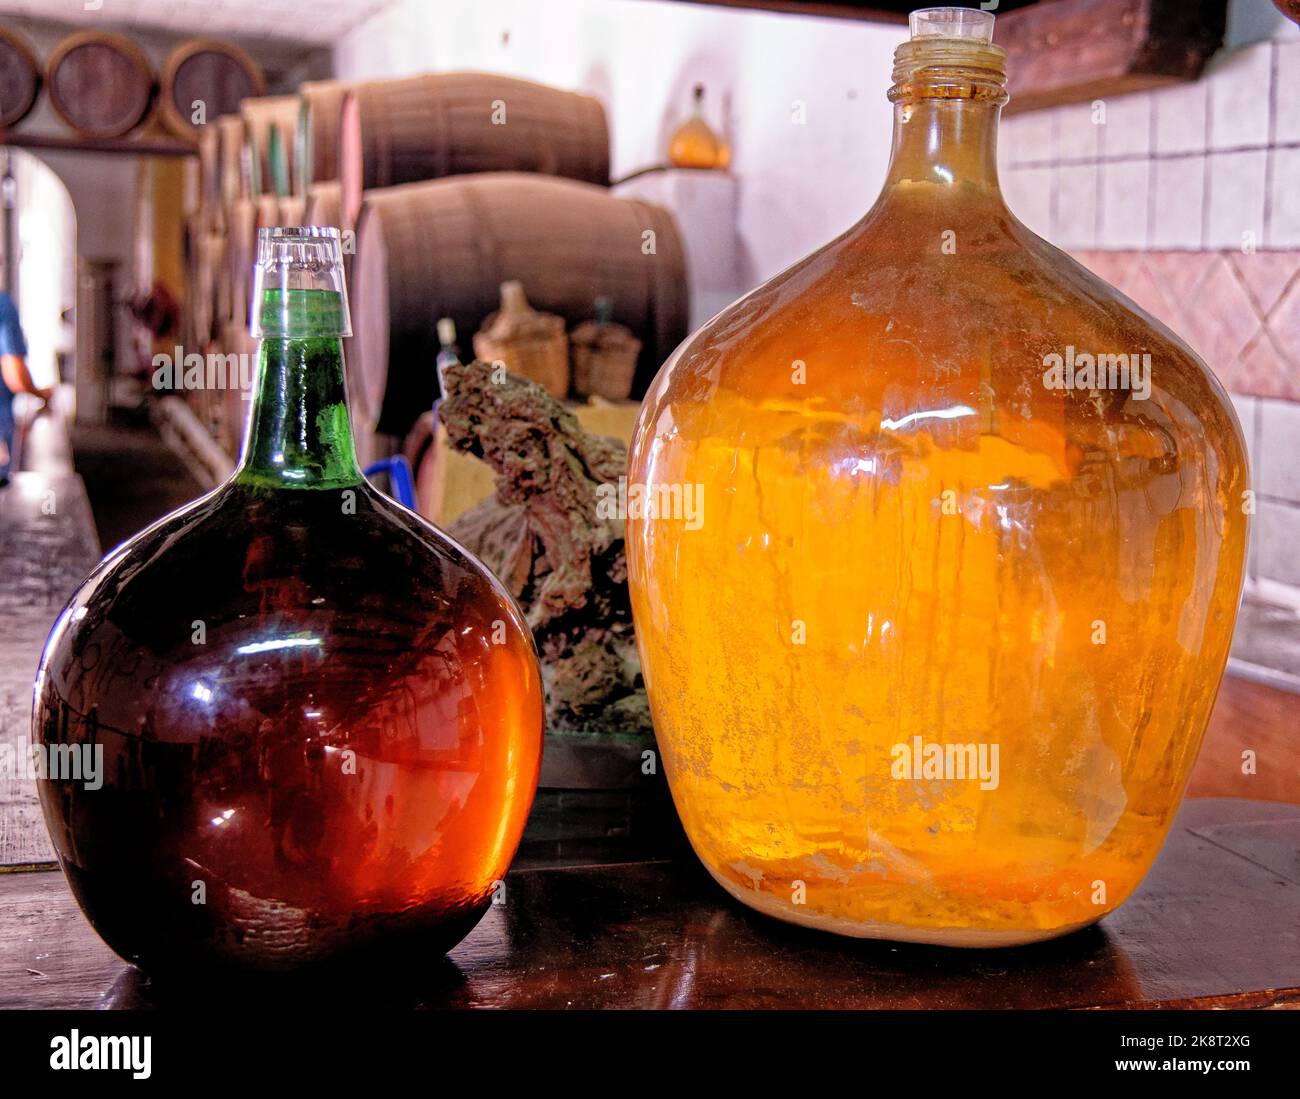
{"x": 317, "y": 719}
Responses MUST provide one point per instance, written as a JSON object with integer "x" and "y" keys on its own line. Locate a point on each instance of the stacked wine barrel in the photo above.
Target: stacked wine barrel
{"x": 20, "y": 78}
{"x": 270, "y": 133}
{"x": 447, "y": 124}
{"x": 100, "y": 84}
{"x": 204, "y": 79}
{"x": 103, "y": 85}
{"x": 442, "y": 249}
{"x": 445, "y": 186}
{"x": 244, "y": 168}
{"x": 320, "y": 111}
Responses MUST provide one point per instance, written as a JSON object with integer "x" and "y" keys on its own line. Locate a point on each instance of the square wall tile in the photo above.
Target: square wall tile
{"x": 1277, "y": 533}
{"x": 1074, "y": 224}
{"x": 1180, "y": 118}
{"x": 1034, "y": 135}
{"x": 1028, "y": 192}
{"x": 1007, "y": 146}
{"x": 1008, "y": 136}
{"x": 1240, "y": 91}
{"x": 1078, "y": 135}
{"x": 1146, "y": 289}
{"x": 1221, "y": 324}
{"x": 1278, "y": 471}
{"x": 1182, "y": 274}
{"x": 1124, "y": 201}
{"x": 1264, "y": 370}
{"x": 1286, "y": 122}
{"x": 1268, "y": 276}
{"x": 1235, "y": 198}
{"x": 1283, "y": 228}
{"x": 1177, "y": 212}
{"x": 1127, "y": 130}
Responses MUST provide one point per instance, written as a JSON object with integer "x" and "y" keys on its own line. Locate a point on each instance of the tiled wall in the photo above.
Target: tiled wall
{"x": 1241, "y": 312}
{"x": 1188, "y": 199}
{"x": 1237, "y": 310}
{"x": 1210, "y": 164}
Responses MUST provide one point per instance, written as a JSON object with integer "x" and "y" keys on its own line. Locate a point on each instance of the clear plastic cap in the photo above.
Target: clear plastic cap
{"x": 298, "y": 285}
{"x": 967, "y": 23}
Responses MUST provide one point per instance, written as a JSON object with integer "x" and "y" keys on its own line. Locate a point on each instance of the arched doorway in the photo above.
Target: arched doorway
{"x": 43, "y": 249}
{"x": 38, "y": 269}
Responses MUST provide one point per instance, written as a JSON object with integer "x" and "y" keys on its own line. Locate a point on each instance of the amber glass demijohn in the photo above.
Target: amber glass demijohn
{"x": 694, "y": 143}
{"x": 319, "y": 719}
{"x": 932, "y": 654}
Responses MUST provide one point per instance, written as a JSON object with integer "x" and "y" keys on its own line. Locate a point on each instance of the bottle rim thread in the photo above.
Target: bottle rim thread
{"x": 950, "y": 55}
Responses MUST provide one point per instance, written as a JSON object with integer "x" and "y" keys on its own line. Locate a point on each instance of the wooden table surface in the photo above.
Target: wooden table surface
{"x": 1216, "y": 923}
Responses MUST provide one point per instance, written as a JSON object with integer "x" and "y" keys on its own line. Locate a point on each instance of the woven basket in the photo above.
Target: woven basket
{"x": 604, "y": 360}
{"x": 531, "y": 344}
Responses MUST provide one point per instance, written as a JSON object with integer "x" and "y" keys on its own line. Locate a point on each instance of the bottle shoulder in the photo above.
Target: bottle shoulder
{"x": 882, "y": 336}
{"x": 238, "y": 538}
{"x": 897, "y": 302}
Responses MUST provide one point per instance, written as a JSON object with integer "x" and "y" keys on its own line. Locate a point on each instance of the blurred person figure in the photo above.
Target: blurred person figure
{"x": 14, "y": 378}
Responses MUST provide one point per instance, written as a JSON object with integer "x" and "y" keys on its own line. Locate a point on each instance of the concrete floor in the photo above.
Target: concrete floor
{"x": 131, "y": 476}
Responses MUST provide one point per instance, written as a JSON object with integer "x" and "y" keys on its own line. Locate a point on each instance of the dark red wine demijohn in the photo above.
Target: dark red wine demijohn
{"x": 318, "y": 718}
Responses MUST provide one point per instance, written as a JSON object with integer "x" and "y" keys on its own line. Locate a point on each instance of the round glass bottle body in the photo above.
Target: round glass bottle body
{"x": 318, "y": 725}
{"x": 308, "y": 724}
{"x": 933, "y": 656}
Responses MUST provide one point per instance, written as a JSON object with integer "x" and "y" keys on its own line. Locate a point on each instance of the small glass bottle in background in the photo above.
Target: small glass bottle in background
{"x": 448, "y": 353}
{"x": 694, "y": 143}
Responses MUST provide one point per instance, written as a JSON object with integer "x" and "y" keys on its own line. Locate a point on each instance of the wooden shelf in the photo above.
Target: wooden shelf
{"x": 139, "y": 146}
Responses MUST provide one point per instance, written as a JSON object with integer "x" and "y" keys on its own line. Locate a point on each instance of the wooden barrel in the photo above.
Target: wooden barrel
{"x": 325, "y": 205}
{"x": 191, "y": 315}
{"x": 205, "y": 78}
{"x": 244, "y": 218}
{"x": 20, "y": 78}
{"x": 269, "y": 127}
{"x": 316, "y": 153}
{"x": 446, "y": 124}
{"x": 211, "y": 249}
{"x": 210, "y": 196}
{"x": 235, "y": 340}
{"x": 443, "y": 248}
{"x": 241, "y": 226}
{"x": 101, "y": 84}
{"x": 293, "y": 210}
{"x": 231, "y": 159}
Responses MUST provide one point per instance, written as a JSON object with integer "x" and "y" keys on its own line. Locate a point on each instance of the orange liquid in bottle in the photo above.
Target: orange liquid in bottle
{"x": 907, "y": 542}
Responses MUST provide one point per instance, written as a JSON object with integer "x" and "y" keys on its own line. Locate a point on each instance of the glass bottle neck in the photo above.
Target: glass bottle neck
{"x": 949, "y": 143}
{"x": 299, "y": 434}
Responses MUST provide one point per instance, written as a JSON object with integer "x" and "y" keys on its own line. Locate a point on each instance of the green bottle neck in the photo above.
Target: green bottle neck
{"x": 299, "y": 435}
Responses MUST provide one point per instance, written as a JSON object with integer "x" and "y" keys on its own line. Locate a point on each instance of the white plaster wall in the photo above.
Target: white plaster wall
{"x": 799, "y": 184}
